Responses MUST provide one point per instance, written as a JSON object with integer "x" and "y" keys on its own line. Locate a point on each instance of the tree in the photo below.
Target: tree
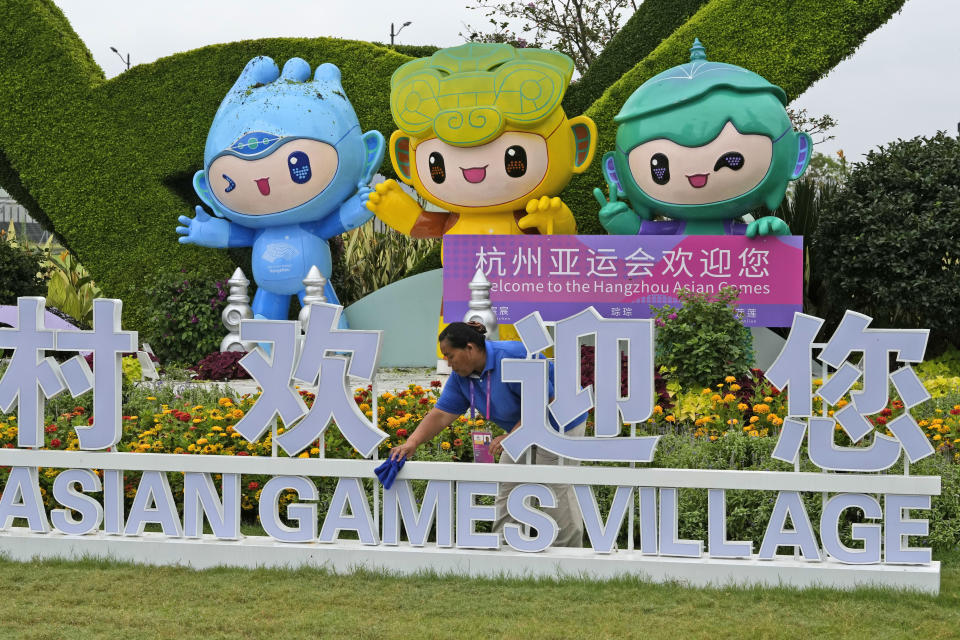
{"x": 814, "y": 126}
{"x": 825, "y": 168}
{"x": 578, "y": 28}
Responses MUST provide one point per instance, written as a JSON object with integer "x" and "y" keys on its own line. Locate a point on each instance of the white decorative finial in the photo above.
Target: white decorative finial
{"x": 314, "y": 285}
{"x": 237, "y": 309}
{"x": 479, "y": 305}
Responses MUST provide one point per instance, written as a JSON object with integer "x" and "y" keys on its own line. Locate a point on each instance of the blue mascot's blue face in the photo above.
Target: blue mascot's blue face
{"x": 284, "y": 149}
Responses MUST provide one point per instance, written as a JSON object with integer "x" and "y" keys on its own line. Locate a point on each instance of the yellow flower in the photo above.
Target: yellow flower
{"x": 761, "y": 408}
{"x": 936, "y": 437}
{"x": 192, "y": 447}
{"x": 754, "y": 419}
{"x": 732, "y": 421}
{"x": 657, "y": 409}
{"x": 315, "y": 451}
{"x": 202, "y": 441}
{"x": 150, "y": 398}
{"x": 768, "y": 399}
{"x": 734, "y": 387}
{"x": 444, "y": 445}
{"x": 729, "y": 397}
{"x": 305, "y": 454}
{"x": 712, "y": 438}
{"x": 365, "y": 407}
{"x": 742, "y": 407}
{"x": 841, "y": 403}
{"x": 754, "y": 433}
{"x": 730, "y": 379}
{"x": 716, "y": 397}
{"x": 197, "y": 420}
{"x": 705, "y": 392}
{"x": 670, "y": 418}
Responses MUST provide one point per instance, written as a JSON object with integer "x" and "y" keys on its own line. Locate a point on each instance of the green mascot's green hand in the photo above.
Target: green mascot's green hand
{"x": 616, "y": 217}
{"x": 767, "y": 226}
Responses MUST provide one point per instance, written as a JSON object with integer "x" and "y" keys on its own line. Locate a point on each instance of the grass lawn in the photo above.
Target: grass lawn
{"x": 90, "y": 599}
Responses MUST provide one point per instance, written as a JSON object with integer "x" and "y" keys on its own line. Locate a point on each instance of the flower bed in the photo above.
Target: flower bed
{"x": 732, "y": 425}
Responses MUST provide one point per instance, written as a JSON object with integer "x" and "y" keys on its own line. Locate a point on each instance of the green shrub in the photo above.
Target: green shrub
{"x": 20, "y": 274}
{"x": 184, "y": 322}
{"x": 947, "y": 365}
{"x": 703, "y": 340}
{"x": 372, "y": 259}
{"x": 886, "y": 244}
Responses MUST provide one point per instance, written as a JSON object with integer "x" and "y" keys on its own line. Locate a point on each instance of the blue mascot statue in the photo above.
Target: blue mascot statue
{"x": 285, "y": 169}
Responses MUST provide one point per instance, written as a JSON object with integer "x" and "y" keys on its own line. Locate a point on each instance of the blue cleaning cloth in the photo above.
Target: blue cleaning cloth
{"x": 387, "y": 472}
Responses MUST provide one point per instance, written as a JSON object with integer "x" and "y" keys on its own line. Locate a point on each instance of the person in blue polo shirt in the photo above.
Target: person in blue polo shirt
{"x": 475, "y": 384}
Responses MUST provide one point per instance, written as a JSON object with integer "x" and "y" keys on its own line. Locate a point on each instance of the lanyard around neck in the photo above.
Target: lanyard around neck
{"x": 473, "y": 411}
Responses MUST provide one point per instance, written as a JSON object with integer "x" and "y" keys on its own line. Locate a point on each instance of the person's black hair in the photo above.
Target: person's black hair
{"x": 459, "y": 334}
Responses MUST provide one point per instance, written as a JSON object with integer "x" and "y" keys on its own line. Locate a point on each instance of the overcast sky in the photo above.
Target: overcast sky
{"x": 903, "y": 82}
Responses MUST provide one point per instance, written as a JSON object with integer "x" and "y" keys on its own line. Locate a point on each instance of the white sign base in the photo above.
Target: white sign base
{"x": 343, "y": 557}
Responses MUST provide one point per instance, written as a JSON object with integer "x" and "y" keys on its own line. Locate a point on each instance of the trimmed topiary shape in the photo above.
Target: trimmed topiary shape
{"x": 108, "y": 164}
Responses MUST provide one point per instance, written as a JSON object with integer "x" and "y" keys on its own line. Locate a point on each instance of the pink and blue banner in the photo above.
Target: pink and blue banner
{"x": 623, "y": 276}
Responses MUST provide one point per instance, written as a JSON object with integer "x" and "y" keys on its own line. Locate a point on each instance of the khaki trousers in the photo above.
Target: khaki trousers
{"x": 567, "y": 511}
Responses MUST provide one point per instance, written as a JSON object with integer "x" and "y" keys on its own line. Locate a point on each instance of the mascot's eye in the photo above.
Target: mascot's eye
{"x": 299, "y": 164}
{"x": 515, "y": 161}
{"x": 438, "y": 170}
{"x": 731, "y": 159}
{"x": 660, "y": 168}
{"x": 231, "y": 185}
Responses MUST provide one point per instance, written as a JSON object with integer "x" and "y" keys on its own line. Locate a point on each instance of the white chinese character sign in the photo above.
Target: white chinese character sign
{"x": 645, "y": 500}
{"x": 624, "y": 276}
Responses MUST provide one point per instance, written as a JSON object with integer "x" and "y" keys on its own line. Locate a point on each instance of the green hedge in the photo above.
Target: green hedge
{"x": 792, "y": 44}
{"x": 108, "y": 164}
{"x": 654, "y": 21}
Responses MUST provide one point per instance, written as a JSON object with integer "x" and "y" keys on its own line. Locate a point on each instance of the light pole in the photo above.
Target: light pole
{"x": 126, "y": 60}
{"x": 393, "y": 33}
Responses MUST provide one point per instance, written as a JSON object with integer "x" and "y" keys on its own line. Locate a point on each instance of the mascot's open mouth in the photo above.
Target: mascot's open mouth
{"x": 264, "y": 185}
{"x": 698, "y": 180}
{"x": 474, "y": 174}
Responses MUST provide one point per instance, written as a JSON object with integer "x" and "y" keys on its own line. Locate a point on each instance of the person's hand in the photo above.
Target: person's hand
{"x": 403, "y": 451}
{"x": 495, "y": 446}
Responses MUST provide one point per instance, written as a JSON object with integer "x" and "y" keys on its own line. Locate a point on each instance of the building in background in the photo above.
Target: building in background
{"x": 12, "y": 211}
